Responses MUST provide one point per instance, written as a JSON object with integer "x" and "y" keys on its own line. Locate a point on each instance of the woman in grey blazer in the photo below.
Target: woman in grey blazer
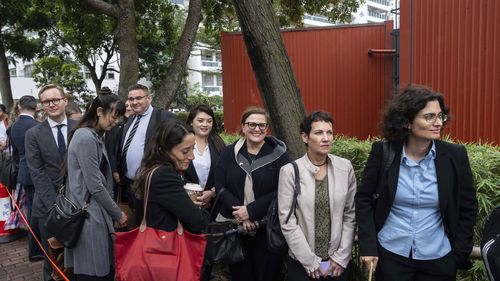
{"x": 89, "y": 178}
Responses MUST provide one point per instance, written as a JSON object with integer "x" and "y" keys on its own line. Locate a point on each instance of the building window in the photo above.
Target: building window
{"x": 28, "y": 70}
{"x": 111, "y": 75}
{"x": 219, "y": 79}
{"x": 86, "y": 74}
{"x": 208, "y": 79}
{"x": 13, "y": 72}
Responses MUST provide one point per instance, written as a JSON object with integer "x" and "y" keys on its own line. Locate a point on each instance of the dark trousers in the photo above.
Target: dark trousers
{"x": 33, "y": 248}
{"x": 136, "y": 204}
{"x": 44, "y": 236}
{"x": 296, "y": 272}
{"x": 259, "y": 264}
{"x": 83, "y": 277}
{"x": 395, "y": 267}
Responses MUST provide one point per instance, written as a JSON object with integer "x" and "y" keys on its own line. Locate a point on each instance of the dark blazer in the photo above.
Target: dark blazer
{"x": 230, "y": 175}
{"x": 457, "y": 198}
{"x": 191, "y": 176}
{"x": 169, "y": 202}
{"x": 17, "y": 135}
{"x": 44, "y": 164}
{"x": 157, "y": 117}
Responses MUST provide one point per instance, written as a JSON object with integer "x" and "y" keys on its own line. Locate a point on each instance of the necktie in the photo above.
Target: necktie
{"x": 131, "y": 135}
{"x": 61, "y": 145}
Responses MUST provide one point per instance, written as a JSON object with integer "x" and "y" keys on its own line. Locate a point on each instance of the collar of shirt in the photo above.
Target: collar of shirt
{"x": 26, "y": 114}
{"x": 53, "y": 123}
{"x": 409, "y": 162}
{"x": 148, "y": 111}
{"x": 197, "y": 150}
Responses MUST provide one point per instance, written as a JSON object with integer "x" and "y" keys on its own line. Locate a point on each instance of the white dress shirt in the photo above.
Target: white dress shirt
{"x": 201, "y": 163}
{"x": 135, "y": 151}
{"x": 64, "y": 129}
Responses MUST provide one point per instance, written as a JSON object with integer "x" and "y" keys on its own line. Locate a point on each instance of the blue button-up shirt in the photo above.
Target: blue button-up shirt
{"x": 414, "y": 222}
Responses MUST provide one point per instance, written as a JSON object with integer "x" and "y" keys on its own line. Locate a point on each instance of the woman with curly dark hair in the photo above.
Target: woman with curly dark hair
{"x": 416, "y": 204}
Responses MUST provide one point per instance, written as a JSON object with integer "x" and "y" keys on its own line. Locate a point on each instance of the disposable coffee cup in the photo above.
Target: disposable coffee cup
{"x": 193, "y": 190}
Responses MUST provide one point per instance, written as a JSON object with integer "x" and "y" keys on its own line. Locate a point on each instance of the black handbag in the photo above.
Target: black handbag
{"x": 223, "y": 242}
{"x": 65, "y": 219}
{"x": 276, "y": 242}
{"x": 8, "y": 168}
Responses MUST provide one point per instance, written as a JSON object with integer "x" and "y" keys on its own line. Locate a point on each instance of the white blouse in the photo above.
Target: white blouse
{"x": 201, "y": 164}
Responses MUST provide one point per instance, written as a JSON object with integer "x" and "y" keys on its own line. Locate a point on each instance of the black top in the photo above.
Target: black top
{"x": 169, "y": 202}
{"x": 230, "y": 175}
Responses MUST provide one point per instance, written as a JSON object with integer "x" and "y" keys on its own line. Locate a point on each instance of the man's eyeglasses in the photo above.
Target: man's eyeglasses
{"x": 253, "y": 125}
{"x": 432, "y": 117}
{"x": 139, "y": 98}
{"x": 53, "y": 101}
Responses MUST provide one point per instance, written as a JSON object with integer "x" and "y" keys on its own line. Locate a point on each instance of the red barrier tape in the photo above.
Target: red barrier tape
{"x": 34, "y": 236}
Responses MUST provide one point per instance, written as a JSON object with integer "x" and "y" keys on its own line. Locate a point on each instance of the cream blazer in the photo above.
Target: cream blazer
{"x": 299, "y": 231}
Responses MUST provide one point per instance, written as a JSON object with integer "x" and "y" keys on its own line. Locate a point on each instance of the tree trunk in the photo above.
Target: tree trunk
{"x": 273, "y": 71}
{"x": 167, "y": 90}
{"x": 5, "y": 87}
{"x": 125, "y": 36}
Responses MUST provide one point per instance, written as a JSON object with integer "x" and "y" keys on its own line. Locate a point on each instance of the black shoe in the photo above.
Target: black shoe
{"x": 36, "y": 258}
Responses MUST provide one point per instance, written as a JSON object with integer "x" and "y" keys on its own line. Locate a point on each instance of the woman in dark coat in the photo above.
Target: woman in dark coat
{"x": 208, "y": 147}
{"x": 248, "y": 170}
{"x": 417, "y": 207}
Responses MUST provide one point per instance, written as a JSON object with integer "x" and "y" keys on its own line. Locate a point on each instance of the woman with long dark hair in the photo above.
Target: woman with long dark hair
{"x": 416, "y": 209}
{"x": 170, "y": 149}
{"x": 208, "y": 147}
{"x": 89, "y": 180}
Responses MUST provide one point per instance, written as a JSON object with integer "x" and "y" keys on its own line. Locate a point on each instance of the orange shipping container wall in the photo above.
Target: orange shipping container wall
{"x": 333, "y": 69}
{"x": 454, "y": 47}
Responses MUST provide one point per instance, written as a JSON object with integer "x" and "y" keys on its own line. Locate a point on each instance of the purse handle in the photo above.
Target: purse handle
{"x": 143, "y": 225}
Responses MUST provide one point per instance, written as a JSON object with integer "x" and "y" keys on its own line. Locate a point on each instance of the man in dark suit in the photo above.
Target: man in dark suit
{"x": 136, "y": 133}
{"x": 25, "y": 121}
{"x": 45, "y": 151}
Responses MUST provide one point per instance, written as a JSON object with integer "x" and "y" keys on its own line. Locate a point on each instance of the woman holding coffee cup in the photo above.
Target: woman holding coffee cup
{"x": 170, "y": 149}
{"x": 248, "y": 170}
{"x": 207, "y": 149}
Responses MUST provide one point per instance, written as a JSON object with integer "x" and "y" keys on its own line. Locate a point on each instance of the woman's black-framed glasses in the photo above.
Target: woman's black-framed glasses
{"x": 253, "y": 125}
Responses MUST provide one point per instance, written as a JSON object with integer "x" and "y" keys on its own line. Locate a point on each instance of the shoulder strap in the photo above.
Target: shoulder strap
{"x": 147, "y": 185}
{"x": 296, "y": 191}
{"x": 216, "y": 200}
{"x": 388, "y": 155}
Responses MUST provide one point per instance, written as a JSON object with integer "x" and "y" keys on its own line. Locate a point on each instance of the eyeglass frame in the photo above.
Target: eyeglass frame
{"x": 46, "y": 103}
{"x": 139, "y": 98}
{"x": 431, "y": 118}
{"x": 255, "y": 125}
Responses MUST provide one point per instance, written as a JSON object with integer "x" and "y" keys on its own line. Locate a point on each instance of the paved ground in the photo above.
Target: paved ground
{"x": 14, "y": 264}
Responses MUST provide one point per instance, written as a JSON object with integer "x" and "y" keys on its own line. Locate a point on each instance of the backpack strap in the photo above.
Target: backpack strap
{"x": 296, "y": 190}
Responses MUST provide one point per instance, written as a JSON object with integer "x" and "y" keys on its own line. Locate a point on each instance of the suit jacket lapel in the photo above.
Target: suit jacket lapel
{"x": 443, "y": 169}
{"x": 393, "y": 174}
{"x": 46, "y": 130}
{"x": 125, "y": 130}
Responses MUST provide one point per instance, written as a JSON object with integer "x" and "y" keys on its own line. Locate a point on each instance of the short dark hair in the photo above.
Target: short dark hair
{"x": 305, "y": 126}
{"x": 51, "y": 86}
{"x": 3, "y": 108}
{"x": 253, "y": 110}
{"x": 138, "y": 87}
{"x": 27, "y": 102}
{"x": 403, "y": 109}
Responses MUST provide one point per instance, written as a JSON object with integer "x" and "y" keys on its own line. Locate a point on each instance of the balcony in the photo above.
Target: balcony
{"x": 212, "y": 88}
{"x": 374, "y": 14}
{"x": 383, "y": 2}
{"x": 211, "y": 63}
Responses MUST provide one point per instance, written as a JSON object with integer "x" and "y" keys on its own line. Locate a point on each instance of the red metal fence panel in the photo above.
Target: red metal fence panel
{"x": 454, "y": 47}
{"x": 333, "y": 69}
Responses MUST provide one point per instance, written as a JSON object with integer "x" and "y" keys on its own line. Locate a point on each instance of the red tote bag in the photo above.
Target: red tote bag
{"x": 149, "y": 254}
